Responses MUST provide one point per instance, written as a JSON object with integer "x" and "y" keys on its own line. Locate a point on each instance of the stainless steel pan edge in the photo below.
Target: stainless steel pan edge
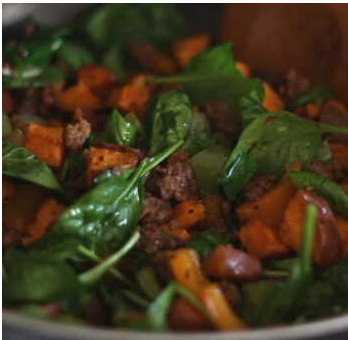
{"x": 17, "y": 327}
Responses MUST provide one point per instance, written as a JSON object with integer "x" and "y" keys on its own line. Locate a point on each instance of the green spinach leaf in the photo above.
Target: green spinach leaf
{"x": 105, "y": 216}
{"x": 169, "y": 120}
{"x": 268, "y": 146}
{"x": 120, "y": 130}
{"x": 324, "y": 187}
{"x": 213, "y": 75}
{"x": 19, "y": 163}
{"x": 75, "y": 54}
{"x": 6, "y": 125}
{"x": 119, "y": 24}
{"x": 199, "y": 137}
{"x": 207, "y": 165}
{"x": 34, "y": 278}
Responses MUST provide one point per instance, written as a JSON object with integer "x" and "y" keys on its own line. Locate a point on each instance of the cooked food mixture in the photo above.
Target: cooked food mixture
{"x": 153, "y": 182}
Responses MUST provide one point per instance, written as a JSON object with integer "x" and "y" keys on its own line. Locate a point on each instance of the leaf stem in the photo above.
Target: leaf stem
{"x": 305, "y": 257}
{"x": 333, "y": 128}
{"x": 113, "y": 271}
{"x": 91, "y": 276}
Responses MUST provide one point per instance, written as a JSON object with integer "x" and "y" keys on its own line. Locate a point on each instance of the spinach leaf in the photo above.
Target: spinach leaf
{"x": 30, "y": 64}
{"x": 207, "y": 241}
{"x": 19, "y": 163}
{"x": 169, "y": 120}
{"x": 199, "y": 137}
{"x": 214, "y": 75}
{"x": 318, "y": 95}
{"x": 324, "y": 187}
{"x": 120, "y": 130}
{"x": 207, "y": 165}
{"x": 33, "y": 278}
{"x": 113, "y": 59}
{"x": 268, "y": 146}
{"x": 105, "y": 216}
{"x": 328, "y": 296}
{"x": 155, "y": 318}
{"x": 75, "y": 54}
{"x": 268, "y": 302}
{"x": 148, "y": 282}
{"x": 32, "y": 76}
{"x": 32, "y": 53}
{"x": 120, "y": 24}
{"x": 74, "y": 165}
{"x": 6, "y": 125}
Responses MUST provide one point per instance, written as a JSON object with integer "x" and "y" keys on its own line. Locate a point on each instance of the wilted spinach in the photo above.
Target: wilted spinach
{"x": 6, "y": 125}
{"x": 119, "y": 24}
{"x": 18, "y": 162}
{"x": 328, "y": 296}
{"x": 269, "y": 145}
{"x": 168, "y": 121}
{"x": 34, "y": 278}
{"x": 75, "y": 54}
{"x": 213, "y": 75}
{"x": 199, "y": 137}
{"x": 324, "y": 187}
{"x": 120, "y": 131}
{"x": 105, "y": 216}
{"x": 207, "y": 165}
{"x": 30, "y": 64}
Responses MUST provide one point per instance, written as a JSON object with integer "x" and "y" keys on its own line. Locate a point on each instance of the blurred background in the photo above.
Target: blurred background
{"x": 271, "y": 38}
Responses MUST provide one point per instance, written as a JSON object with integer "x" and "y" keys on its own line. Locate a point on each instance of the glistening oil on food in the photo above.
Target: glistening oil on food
{"x": 153, "y": 182}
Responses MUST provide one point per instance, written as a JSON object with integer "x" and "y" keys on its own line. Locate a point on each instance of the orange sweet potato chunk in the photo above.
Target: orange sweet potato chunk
{"x": 261, "y": 241}
{"x": 107, "y": 156}
{"x": 327, "y": 246}
{"x": 272, "y": 102}
{"x": 185, "y": 49}
{"x": 47, "y": 214}
{"x": 270, "y": 207}
{"x": 46, "y": 142}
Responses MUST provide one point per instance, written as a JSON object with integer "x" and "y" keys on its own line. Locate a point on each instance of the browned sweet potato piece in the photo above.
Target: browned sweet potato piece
{"x": 47, "y": 214}
{"x": 272, "y": 102}
{"x": 46, "y": 142}
{"x": 261, "y": 241}
{"x": 184, "y": 317}
{"x": 327, "y": 247}
{"x": 229, "y": 263}
{"x": 188, "y": 213}
{"x": 107, "y": 156}
{"x": 95, "y": 77}
{"x": 132, "y": 96}
{"x": 77, "y": 96}
{"x": 185, "y": 49}
{"x": 270, "y": 207}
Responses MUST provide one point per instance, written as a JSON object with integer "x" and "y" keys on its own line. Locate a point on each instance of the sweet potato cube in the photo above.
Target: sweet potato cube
{"x": 107, "y": 156}
{"x": 185, "y": 49}
{"x": 47, "y": 214}
{"x": 261, "y": 241}
{"x": 272, "y": 102}
{"x": 46, "y": 142}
